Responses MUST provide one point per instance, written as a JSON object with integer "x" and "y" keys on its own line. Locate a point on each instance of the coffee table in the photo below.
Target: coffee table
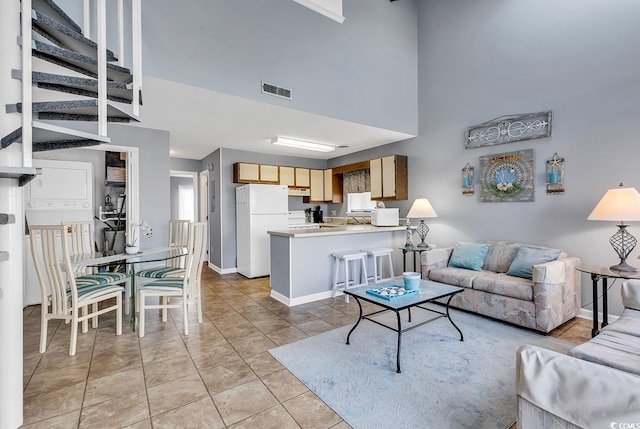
{"x": 427, "y": 292}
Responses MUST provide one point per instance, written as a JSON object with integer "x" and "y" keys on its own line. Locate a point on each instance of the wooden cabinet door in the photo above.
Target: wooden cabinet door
{"x": 287, "y": 176}
{"x": 269, "y": 174}
{"x": 317, "y": 185}
{"x": 388, "y": 177}
{"x": 328, "y": 185}
{"x": 375, "y": 171}
{"x": 302, "y": 178}
{"x": 246, "y": 173}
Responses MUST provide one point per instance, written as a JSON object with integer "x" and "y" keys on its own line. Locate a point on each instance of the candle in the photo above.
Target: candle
{"x": 466, "y": 181}
{"x": 553, "y": 176}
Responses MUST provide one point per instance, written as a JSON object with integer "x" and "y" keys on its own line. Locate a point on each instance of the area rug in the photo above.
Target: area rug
{"x": 445, "y": 382}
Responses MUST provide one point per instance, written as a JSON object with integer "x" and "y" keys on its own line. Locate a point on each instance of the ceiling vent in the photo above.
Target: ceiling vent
{"x": 277, "y": 91}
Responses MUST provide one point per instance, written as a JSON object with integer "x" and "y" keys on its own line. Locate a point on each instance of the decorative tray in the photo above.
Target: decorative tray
{"x": 392, "y": 292}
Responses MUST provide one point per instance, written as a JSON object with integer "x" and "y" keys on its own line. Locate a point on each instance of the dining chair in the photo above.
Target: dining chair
{"x": 186, "y": 287}
{"x": 178, "y": 237}
{"x": 81, "y": 235}
{"x": 64, "y": 297}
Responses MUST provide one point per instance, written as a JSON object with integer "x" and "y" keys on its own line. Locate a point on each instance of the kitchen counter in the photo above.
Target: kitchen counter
{"x": 335, "y": 229}
{"x": 301, "y": 265}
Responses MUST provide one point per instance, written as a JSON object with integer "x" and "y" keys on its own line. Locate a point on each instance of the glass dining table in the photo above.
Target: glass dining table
{"x": 130, "y": 263}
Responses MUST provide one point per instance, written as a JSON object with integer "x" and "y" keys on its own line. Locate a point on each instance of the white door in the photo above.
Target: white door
{"x": 204, "y": 204}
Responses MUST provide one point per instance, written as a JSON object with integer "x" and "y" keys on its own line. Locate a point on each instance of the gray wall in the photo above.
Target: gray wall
{"x": 364, "y": 70}
{"x": 183, "y": 164}
{"x": 481, "y": 60}
{"x": 174, "y": 183}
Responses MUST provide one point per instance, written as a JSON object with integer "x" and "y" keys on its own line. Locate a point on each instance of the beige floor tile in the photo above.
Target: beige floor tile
{"x": 164, "y": 351}
{"x": 107, "y": 364}
{"x": 65, "y": 421}
{"x": 168, "y": 370}
{"x": 29, "y": 366}
{"x": 53, "y": 403}
{"x": 60, "y": 359}
{"x": 176, "y": 393}
{"x": 121, "y": 411}
{"x": 284, "y": 385}
{"x": 343, "y": 425}
{"x": 214, "y": 356}
{"x": 223, "y": 377}
{"x": 142, "y": 424}
{"x": 201, "y": 414}
{"x": 253, "y": 345}
{"x": 315, "y": 327}
{"x": 263, "y": 364}
{"x": 243, "y": 401}
{"x": 310, "y": 412}
{"x": 159, "y": 337}
{"x": 43, "y": 382}
{"x": 113, "y": 386}
{"x": 272, "y": 418}
{"x": 287, "y": 335}
{"x": 234, "y": 333}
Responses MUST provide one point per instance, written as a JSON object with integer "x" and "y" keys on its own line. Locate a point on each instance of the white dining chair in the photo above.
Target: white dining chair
{"x": 186, "y": 287}
{"x": 178, "y": 237}
{"x": 63, "y": 297}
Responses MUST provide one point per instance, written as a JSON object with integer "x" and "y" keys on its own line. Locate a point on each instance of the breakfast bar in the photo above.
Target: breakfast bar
{"x": 301, "y": 262}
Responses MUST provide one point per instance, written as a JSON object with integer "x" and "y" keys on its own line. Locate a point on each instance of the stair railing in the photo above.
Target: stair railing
{"x": 27, "y": 96}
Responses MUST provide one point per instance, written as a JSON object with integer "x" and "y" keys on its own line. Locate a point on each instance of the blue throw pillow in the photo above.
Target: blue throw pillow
{"x": 527, "y": 257}
{"x": 468, "y": 255}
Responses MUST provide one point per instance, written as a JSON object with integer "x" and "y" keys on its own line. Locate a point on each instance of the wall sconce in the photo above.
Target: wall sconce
{"x": 555, "y": 175}
{"x": 467, "y": 180}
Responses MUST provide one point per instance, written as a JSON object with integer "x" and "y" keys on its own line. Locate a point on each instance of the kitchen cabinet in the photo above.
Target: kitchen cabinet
{"x": 303, "y": 179}
{"x": 287, "y": 176}
{"x": 328, "y": 185}
{"x": 269, "y": 174}
{"x": 244, "y": 172}
{"x": 317, "y": 186}
{"x": 389, "y": 178}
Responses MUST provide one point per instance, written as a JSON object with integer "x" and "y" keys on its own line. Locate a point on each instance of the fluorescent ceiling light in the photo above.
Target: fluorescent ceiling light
{"x": 300, "y": 144}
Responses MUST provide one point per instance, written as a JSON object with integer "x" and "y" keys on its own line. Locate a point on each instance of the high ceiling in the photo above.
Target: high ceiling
{"x": 201, "y": 121}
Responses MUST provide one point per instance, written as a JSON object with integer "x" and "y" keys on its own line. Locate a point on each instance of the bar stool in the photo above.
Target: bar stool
{"x": 345, "y": 259}
{"x": 385, "y": 254}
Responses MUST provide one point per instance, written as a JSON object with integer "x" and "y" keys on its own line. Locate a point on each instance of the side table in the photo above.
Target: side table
{"x": 416, "y": 251}
{"x": 603, "y": 274}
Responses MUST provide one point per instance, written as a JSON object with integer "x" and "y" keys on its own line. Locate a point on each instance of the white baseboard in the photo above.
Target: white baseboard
{"x": 588, "y": 314}
{"x": 301, "y": 300}
{"x": 220, "y": 270}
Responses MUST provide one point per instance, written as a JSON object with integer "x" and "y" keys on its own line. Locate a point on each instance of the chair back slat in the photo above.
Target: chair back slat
{"x": 195, "y": 258}
{"x": 81, "y": 237}
{"x": 179, "y": 231}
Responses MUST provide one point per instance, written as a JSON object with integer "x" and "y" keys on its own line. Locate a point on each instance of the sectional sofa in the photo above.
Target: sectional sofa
{"x": 531, "y": 286}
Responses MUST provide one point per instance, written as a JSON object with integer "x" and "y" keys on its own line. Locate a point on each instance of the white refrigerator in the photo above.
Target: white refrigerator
{"x": 259, "y": 208}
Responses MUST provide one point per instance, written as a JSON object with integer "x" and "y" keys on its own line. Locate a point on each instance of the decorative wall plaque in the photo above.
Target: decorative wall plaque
{"x": 509, "y": 129}
{"x": 507, "y": 176}
{"x": 467, "y": 180}
{"x": 555, "y": 175}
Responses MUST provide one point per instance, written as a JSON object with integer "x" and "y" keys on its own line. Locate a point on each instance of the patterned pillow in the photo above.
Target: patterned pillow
{"x": 527, "y": 257}
{"x": 469, "y": 255}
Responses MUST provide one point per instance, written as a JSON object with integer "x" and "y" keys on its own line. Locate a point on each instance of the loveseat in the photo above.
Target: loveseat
{"x": 596, "y": 386}
{"x": 508, "y": 281}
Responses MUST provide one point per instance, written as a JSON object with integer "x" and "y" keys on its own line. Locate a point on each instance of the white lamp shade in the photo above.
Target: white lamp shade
{"x": 619, "y": 204}
{"x": 421, "y": 209}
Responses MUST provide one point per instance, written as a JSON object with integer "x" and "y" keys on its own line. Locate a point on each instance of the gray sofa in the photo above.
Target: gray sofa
{"x": 547, "y": 300}
{"x": 596, "y": 386}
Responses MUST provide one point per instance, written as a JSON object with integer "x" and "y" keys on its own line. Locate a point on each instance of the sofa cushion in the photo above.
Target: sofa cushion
{"x": 505, "y": 285}
{"x": 610, "y": 348}
{"x": 456, "y": 276}
{"x": 468, "y": 255}
{"x": 500, "y": 255}
{"x": 627, "y": 323}
{"x": 527, "y": 257}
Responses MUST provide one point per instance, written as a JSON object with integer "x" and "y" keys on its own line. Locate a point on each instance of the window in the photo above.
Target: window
{"x": 185, "y": 203}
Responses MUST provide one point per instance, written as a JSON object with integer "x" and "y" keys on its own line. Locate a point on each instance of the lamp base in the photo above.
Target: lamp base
{"x": 624, "y": 267}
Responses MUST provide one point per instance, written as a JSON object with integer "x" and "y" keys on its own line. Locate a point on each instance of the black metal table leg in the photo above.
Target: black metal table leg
{"x": 594, "y": 279}
{"x": 605, "y": 307}
{"x": 450, "y": 320}
{"x": 359, "y": 318}
{"x": 404, "y": 260}
{"x": 399, "y": 341}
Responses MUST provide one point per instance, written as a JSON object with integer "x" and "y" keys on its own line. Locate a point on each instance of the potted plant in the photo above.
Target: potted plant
{"x": 132, "y": 246}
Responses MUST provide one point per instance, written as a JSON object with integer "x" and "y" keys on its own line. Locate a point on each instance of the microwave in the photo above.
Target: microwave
{"x": 385, "y": 217}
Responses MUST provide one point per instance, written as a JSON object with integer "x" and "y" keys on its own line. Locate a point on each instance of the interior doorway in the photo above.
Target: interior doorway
{"x": 183, "y": 196}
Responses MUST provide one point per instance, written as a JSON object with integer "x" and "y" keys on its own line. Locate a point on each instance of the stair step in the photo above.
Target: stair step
{"x": 116, "y": 91}
{"x": 77, "y": 62}
{"x": 73, "y": 110}
{"x": 47, "y": 136}
{"x": 65, "y": 37}
{"x": 49, "y": 8}
{"x": 23, "y": 174}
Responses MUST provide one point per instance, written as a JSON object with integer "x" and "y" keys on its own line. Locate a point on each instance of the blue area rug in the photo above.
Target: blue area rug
{"x": 445, "y": 383}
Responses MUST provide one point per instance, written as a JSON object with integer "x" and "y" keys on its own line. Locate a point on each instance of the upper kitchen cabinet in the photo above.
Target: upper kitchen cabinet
{"x": 303, "y": 178}
{"x": 244, "y": 172}
{"x": 269, "y": 174}
{"x": 325, "y": 187}
{"x": 287, "y": 176}
{"x": 317, "y": 186}
{"x": 389, "y": 178}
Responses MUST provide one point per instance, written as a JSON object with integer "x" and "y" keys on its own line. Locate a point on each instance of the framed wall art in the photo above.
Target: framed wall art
{"x": 507, "y": 177}
{"x": 509, "y": 129}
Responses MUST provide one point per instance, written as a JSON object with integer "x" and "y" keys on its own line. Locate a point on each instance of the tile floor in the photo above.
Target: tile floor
{"x": 218, "y": 376}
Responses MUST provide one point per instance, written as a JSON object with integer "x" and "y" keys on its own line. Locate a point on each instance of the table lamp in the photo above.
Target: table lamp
{"x": 422, "y": 209}
{"x": 620, "y": 204}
